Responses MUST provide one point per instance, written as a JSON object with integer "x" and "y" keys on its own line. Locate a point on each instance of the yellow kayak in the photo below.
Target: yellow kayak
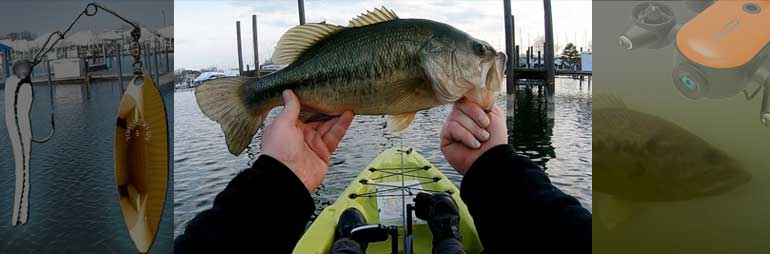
{"x": 382, "y": 192}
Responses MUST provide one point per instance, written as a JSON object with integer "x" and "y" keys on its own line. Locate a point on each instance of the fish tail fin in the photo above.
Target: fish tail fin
{"x": 224, "y": 101}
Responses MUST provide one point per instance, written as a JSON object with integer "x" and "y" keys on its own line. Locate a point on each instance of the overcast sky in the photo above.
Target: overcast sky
{"x": 44, "y": 16}
{"x": 205, "y": 34}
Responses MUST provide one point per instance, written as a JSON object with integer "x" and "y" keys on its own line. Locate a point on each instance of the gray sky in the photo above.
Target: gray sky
{"x": 43, "y": 16}
{"x": 205, "y": 34}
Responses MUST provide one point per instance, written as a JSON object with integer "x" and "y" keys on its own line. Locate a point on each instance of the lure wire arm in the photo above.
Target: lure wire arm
{"x": 90, "y": 10}
{"x": 55, "y": 37}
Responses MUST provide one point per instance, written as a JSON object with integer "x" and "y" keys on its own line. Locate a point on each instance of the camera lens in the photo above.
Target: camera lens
{"x": 688, "y": 83}
{"x": 752, "y": 8}
{"x": 689, "y": 80}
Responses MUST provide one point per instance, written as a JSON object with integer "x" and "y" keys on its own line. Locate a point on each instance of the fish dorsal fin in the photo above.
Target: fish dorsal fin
{"x": 607, "y": 100}
{"x": 373, "y": 17}
{"x": 300, "y": 38}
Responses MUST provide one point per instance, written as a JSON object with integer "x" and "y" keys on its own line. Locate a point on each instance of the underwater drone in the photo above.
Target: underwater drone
{"x": 721, "y": 52}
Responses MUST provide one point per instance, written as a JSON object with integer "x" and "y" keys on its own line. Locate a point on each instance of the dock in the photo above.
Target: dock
{"x": 113, "y": 62}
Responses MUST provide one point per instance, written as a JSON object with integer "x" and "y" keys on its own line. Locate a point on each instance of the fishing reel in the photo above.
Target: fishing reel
{"x": 721, "y": 52}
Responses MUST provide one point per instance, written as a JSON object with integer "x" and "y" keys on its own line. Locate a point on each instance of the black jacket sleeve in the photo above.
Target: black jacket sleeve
{"x": 264, "y": 209}
{"x": 516, "y": 209}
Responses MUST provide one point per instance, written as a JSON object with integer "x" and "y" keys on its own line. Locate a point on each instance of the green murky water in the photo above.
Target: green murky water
{"x": 735, "y": 221}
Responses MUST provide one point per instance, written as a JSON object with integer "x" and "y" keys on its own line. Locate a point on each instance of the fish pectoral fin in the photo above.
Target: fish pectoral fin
{"x": 614, "y": 211}
{"x": 400, "y": 122}
{"x": 308, "y": 116}
{"x": 373, "y": 17}
{"x": 300, "y": 38}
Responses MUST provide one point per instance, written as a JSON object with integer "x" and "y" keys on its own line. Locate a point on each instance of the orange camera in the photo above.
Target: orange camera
{"x": 723, "y": 51}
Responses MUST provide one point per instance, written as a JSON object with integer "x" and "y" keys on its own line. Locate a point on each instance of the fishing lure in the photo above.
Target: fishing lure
{"x": 141, "y": 139}
{"x": 18, "y": 91}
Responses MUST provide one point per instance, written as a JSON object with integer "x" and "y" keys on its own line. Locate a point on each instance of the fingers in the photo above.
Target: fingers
{"x": 474, "y": 111}
{"x": 317, "y": 144}
{"x": 497, "y": 120}
{"x": 498, "y": 128}
{"x": 333, "y": 134}
{"x": 325, "y": 126}
{"x": 315, "y": 125}
{"x": 291, "y": 109}
{"x": 469, "y": 124}
{"x": 497, "y": 111}
{"x": 457, "y": 133}
{"x": 324, "y": 137}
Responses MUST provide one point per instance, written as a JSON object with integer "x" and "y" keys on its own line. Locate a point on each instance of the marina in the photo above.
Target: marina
{"x": 550, "y": 126}
{"x": 87, "y": 56}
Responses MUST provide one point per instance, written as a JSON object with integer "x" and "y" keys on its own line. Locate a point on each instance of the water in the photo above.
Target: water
{"x": 72, "y": 184}
{"x": 732, "y": 222}
{"x": 203, "y": 166}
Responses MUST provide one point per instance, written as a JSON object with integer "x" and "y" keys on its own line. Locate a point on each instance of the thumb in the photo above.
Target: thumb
{"x": 291, "y": 108}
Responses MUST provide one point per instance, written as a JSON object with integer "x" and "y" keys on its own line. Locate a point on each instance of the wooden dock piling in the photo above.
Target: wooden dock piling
{"x": 256, "y": 47}
{"x": 119, "y": 57}
{"x": 240, "y": 52}
{"x": 516, "y": 57}
{"x": 510, "y": 80}
{"x": 301, "y": 7}
{"x": 549, "y": 52}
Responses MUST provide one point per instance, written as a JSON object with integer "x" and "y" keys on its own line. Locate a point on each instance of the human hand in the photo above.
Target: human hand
{"x": 305, "y": 148}
{"x": 469, "y": 132}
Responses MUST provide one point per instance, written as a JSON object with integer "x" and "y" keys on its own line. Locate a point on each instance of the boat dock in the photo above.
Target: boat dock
{"x": 87, "y": 56}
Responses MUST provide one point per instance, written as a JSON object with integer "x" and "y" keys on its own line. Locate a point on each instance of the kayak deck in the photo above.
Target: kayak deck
{"x": 378, "y": 193}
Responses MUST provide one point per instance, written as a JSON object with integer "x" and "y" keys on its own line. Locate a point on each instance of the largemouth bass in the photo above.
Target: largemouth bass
{"x": 377, "y": 65}
{"x": 639, "y": 157}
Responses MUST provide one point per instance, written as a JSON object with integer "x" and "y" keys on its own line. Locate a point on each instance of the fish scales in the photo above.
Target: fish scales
{"x": 380, "y": 65}
{"x": 323, "y": 69}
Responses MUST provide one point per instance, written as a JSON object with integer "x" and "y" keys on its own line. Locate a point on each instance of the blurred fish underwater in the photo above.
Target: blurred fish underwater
{"x": 639, "y": 157}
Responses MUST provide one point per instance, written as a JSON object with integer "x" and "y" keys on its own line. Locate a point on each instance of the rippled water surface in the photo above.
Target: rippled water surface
{"x": 203, "y": 167}
{"x": 72, "y": 179}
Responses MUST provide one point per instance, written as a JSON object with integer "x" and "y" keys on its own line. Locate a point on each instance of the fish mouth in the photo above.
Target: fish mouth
{"x": 723, "y": 180}
{"x": 492, "y": 74}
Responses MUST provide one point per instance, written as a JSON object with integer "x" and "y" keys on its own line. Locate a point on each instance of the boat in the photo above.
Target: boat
{"x": 384, "y": 192}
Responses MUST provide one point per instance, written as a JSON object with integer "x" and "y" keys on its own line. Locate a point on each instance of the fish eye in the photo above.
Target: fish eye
{"x": 478, "y": 49}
